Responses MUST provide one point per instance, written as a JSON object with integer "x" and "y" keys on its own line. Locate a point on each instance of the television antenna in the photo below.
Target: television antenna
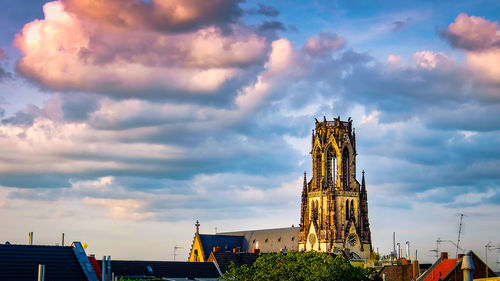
{"x": 437, "y": 247}
{"x": 175, "y": 250}
{"x": 453, "y": 243}
{"x": 490, "y": 247}
{"x": 459, "y": 233}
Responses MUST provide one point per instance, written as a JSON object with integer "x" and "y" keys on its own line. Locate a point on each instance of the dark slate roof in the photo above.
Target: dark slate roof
{"x": 223, "y": 260}
{"x": 159, "y": 269}
{"x": 20, "y": 262}
{"x": 225, "y": 242}
{"x": 269, "y": 240}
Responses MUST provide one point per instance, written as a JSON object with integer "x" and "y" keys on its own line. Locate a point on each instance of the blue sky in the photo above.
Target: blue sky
{"x": 122, "y": 121}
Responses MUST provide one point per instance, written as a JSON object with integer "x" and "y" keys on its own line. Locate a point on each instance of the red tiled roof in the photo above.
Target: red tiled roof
{"x": 441, "y": 270}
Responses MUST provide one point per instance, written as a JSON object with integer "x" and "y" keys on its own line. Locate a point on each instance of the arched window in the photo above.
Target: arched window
{"x": 196, "y": 255}
{"x": 331, "y": 166}
{"x": 346, "y": 209}
{"x": 352, "y": 209}
{"x": 317, "y": 167}
{"x": 345, "y": 169}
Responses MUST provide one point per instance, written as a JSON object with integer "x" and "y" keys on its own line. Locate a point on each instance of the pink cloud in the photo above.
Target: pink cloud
{"x": 473, "y": 33}
{"x": 430, "y": 60}
{"x": 163, "y": 15}
{"x": 480, "y": 38}
{"x": 323, "y": 44}
{"x": 67, "y": 51}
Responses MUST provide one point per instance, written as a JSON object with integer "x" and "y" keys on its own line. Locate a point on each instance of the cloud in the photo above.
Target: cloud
{"x": 323, "y": 44}
{"x": 472, "y": 33}
{"x": 480, "y": 39}
{"x": 267, "y": 10}
{"x": 271, "y": 25}
{"x": 202, "y": 193}
{"x": 68, "y": 51}
{"x": 161, "y": 15}
{"x": 3, "y": 72}
{"x": 400, "y": 24}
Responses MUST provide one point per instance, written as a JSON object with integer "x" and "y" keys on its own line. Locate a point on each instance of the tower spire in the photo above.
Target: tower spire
{"x": 197, "y": 224}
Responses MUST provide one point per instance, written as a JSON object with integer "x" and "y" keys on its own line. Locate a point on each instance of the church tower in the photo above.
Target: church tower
{"x": 334, "y": 209}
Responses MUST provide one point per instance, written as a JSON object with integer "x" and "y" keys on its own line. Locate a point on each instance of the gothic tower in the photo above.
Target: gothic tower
{"x": 334, "y": 211}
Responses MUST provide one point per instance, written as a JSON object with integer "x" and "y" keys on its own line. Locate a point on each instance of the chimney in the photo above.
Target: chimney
{"x": 416, "y": 268}
{"x": 62, "y": 240}
{"x": 408, "y": 250}
{"x": 103, "y": 269}
{"x": 399, "y": 250}
{"x": 444, "y": 256}
{"x": 30, "y": 238}
{"x": 468, "y": 268}
{"x": 109, "y": 268}
{"x": 216, "y": 250}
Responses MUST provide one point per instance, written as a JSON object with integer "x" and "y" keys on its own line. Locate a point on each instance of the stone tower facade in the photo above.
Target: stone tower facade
{"x": 334, "y": 209}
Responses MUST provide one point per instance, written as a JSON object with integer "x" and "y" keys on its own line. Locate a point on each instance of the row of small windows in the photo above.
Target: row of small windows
{"x": 267, "y": 240}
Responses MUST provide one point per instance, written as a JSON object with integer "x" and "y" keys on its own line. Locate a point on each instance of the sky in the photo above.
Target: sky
{"x": 122, "y": 122}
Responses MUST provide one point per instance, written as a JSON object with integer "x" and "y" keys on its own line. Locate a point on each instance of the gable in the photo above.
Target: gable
{"x": 196, "y": 254}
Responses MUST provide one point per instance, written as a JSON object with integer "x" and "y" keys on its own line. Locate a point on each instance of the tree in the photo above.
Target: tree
{"x": 298, "y": 266}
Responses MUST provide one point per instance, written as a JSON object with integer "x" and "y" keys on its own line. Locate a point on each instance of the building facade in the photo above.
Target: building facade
{"x": 334, "y": 209}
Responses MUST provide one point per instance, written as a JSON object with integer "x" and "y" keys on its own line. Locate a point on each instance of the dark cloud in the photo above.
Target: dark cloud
{"x": 267, "y": 10}
{"x": 271, "y": 26}
{"x": 34, "y": 180}
{"x": 77, "y": 107}
{"x": 398, "y": 25}
{"x": 264, "y": 10}
{"x": 24, "y": 117}
{"x": 293, "y": 28}
{"x": 3, "y": 72}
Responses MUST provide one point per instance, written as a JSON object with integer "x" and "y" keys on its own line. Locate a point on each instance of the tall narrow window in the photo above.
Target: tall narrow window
{"x": 346, "y": 209}
{"x": 352, "y": 209}
{"x": 317, "y": 168}
{"x": 345, "y": 169}
{"x": 331, "y": 166}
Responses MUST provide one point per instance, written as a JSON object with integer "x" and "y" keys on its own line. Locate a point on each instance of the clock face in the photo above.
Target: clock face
{"x": 351, "y": 239}
{"x": 312, "y": 238}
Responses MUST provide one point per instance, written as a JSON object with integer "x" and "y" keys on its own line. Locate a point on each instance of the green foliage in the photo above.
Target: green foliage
{"x": 298, "y": 266}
